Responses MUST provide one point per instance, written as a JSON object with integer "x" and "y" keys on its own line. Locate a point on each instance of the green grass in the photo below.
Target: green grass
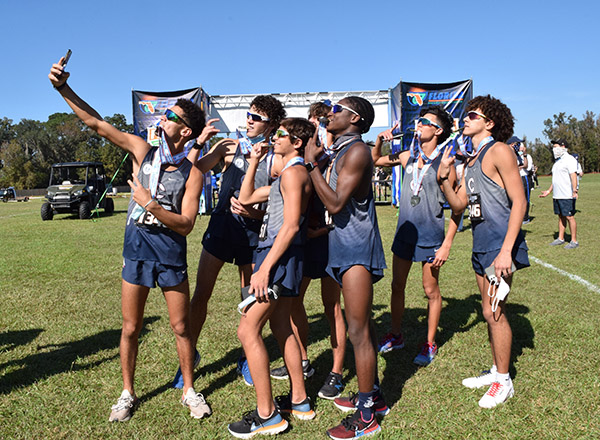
{"x": 60, "y": 325}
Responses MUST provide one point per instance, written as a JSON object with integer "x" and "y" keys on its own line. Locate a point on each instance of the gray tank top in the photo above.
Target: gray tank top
{"x": 421, "y": 224}
{"x": 489, "y": 208}
{"x": 355, "y": 238}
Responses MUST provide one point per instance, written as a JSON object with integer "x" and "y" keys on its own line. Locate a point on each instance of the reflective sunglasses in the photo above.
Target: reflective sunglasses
{"x": 173, "y": 117}
{"x": 256, "y": 117}
{"x": 282, "y": 133}
{"x": 473, "y": 115}
{"x": 427, "y": 122}
{"x": 337, "y": 108}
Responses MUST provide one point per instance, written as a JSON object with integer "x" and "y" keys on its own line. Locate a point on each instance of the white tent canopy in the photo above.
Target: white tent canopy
{"x": 231, "y": 109}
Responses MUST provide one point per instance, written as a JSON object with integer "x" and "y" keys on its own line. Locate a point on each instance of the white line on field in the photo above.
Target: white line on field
{"x": 580, "y": 280}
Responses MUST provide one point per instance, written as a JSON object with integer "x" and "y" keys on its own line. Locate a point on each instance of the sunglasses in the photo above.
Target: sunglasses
{"x": 256, "y": 117}
{"x": 282, "y": 133}
{"x": 473, "y": 115}
{"x": 427, "y": 122}
{"x": 173, "y": 117}
{"x": 337, "y": 108}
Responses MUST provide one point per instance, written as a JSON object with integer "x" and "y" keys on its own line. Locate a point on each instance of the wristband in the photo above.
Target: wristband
{"x": 59, "y": 88}
{"x": 148, "y": 202}
{"x": 443, "y": 178}
{"x": 196, "y": 146}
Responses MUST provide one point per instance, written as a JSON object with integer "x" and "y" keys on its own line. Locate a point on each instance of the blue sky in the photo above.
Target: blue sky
{"x": 540, "y": 58}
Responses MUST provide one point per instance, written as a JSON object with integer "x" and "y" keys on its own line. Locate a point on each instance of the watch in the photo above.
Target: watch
{"x": 311, "y": 166}
{"x": 197, "y": 146}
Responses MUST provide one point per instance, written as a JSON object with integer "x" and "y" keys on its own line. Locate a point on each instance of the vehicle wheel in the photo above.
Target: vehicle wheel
{"x": 47, "y": 212}
{"x": 109, "y": 206}
{"x": 85, "y": 212}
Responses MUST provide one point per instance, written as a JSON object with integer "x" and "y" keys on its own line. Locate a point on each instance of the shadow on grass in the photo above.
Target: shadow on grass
{"x": 454, "y": 319}
{"x": 60, "y": 358}
{"x": 12, "y": 339}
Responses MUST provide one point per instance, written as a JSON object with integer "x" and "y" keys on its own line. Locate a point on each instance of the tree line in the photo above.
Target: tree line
{"x": 582, "y": 135}
{"x": 29, "y": 148}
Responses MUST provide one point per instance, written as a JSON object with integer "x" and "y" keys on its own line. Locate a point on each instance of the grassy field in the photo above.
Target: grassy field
{"x": 60, "y": 326}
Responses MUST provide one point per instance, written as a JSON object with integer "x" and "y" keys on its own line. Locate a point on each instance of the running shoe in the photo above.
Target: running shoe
{"x": 243, "y": 370}
{"x": 281, "y": 373}
{"x": 196, "y": 403}
{"x": 427, "y": 354}
{"x": 302, "y": 410}
{"x": 497, "y": 394}
{"x": 252, "y": 424}
{"x": 333, "y": 387}
{"x": 353, "y": 427}
{"x": 391, "y": 342}
{"x": 485, "y": 379}
{"x": 178, "y": 380}
{"x": 572, "y": 245}
{"x": 557, "y": 242}
{"x": 124, "y": 408}
{"x": 350, "y": 403}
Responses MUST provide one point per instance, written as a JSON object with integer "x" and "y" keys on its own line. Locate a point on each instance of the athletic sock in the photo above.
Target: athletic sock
{"x": 504, "y": 379}
{"x": 365, "y": 405}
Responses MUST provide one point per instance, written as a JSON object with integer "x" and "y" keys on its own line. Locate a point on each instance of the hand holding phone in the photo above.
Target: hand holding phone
{"x": 66, "y": 58}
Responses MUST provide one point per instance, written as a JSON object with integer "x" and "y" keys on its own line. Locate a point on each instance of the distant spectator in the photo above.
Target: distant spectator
{"x": 564, "y": 189}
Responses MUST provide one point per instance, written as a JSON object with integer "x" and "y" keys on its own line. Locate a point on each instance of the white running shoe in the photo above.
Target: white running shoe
{"x": 497, "y": 394}
{"x": 124, "y": 408}
{"x": 485, "y": 379}
{"x": 196, "y": 403}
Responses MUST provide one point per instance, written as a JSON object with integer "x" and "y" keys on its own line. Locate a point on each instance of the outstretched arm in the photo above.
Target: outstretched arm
{"x": 131, "y": 143}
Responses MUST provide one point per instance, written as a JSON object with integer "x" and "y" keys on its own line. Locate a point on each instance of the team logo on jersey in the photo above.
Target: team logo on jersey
{"x": 162, "y": 188}
{"x": 147, "y": 168}
{"x": 471, "y": 184}
{"x": 409, "y": 169}
{"x": 239, "y": 163}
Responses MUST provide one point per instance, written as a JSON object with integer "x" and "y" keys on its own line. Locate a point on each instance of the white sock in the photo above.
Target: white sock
{"x": 504, "y": 379}
{"x": 494, "y": 369}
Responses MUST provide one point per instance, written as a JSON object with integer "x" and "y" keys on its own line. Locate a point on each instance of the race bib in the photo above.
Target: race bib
{"x": 475, "y": 213}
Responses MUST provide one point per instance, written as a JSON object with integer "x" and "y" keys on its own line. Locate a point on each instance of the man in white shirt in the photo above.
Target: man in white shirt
{"x": 564, "y": 189}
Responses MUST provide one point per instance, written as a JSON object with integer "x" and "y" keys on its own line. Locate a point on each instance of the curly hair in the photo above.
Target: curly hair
{"x": 496, "y": 111}
{"x": 444, "y": 118}
{"x": 318, "y": 110}
{"x": 271, "y": 107}
{"x": 194, "y": 116}
{"x": 364, "y": 109}
{"x": 300, "y": 128}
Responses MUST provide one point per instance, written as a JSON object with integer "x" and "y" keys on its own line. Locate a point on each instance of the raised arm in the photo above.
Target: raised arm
{"x": 352, "y": 168}
{"x": 455, "y": 192}
{"x": 131, "y": 143}
{"x": 389, "y": 160}
{"x": 249, "y": 195}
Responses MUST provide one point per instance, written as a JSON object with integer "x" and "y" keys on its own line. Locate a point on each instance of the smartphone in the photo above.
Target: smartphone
{"x": 66, "y": 58}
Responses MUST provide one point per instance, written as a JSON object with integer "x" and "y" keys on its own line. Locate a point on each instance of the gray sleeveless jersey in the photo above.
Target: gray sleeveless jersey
{"x": 273, "y": 219}
{"x": 355, "y": 238}
{"x": 421, "y": 224}
{"x": 494, "y": 206}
